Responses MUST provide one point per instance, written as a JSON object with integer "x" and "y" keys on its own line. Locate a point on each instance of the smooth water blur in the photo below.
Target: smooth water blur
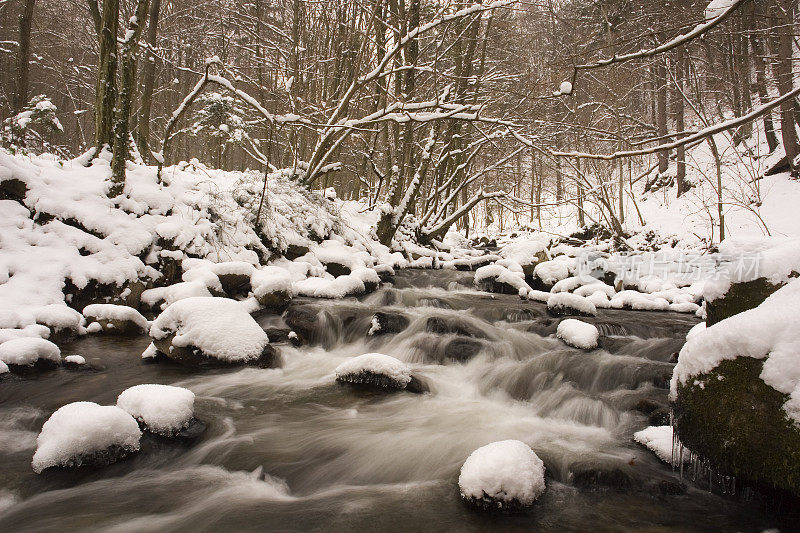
{"x": 288, "y": 449}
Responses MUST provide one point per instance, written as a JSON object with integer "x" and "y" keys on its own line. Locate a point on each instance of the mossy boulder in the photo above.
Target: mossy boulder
{"x": 740, "y": 297}
{"x": 736, "y": 421}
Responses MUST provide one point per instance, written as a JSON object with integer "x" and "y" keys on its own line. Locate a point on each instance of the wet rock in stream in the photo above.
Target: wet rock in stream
{"x": 451, "y": 325}
{"x": 388, "y": 323}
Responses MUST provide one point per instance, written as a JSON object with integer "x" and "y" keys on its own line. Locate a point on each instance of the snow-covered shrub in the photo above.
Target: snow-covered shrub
{"x": 162, "y": 409}
{"x": 220, "y": 117}
{"x": 84, "y": 433}
{"x": 33, "y": 126}
{"x": 505, "y": 476}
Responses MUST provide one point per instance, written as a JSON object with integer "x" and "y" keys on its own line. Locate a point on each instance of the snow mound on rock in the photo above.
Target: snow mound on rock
{"x": 28, "y": 350}
{"x": 34, "y": 330}
{"x": 566, "y": 303}
{"x": 551, "y": 272}
{"x": 366, "y": 368}
{"x": 122, "y": 313}
{"x": 501, "y": 274}
{"x": 59, "y": 317}
{"x": 770, "y": 331}
{"x": 219, "y": 327}
{"x": 75, "y": 359}
{"x": 502, "y": 475}
{"x": 578, "y": 334}
{"x": 79, "y": 430}
{"x": 657, "y": 439}
{"x": 163, "y": 409}
{"x": 173, "y": 293}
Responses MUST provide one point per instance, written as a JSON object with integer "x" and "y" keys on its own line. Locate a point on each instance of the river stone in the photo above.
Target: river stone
{"x": 462, "y": 349}
{"x": 736, "y": 421}
{"x": 276, "y": 301}
{"x": 98, "y": 459}
{"x": 657, "y": 413}
{"x": 13, "y": 189}
{"x": 40, "y": 365}
{"x": 278, "y": 335}
{"x": 190, "y": 432}
{"x": 591, "y": 474}
{"x": 739, "y": 297}
{"x": 293, "y": 251}
{"x": 303, "y": 319}
{"x": 448, "y": 325}
{"x": 371, "y": 381}
{"x": 118, "y": 327}
{"x": 338, "y": 269}
{"x": 129, "y": 294}
{"x": 543, "y": 327}
{"x": 491, "y": 284}
{"x": 235, "y": 284}
{"x": 193, "y": 356}
{"x": 388, "y": 323}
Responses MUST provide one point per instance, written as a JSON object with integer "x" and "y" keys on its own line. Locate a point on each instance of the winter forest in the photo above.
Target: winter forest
{"x": 435, "y": 265}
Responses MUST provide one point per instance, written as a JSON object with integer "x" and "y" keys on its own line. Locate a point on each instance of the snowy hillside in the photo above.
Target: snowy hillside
{"x": 61, "y": 234}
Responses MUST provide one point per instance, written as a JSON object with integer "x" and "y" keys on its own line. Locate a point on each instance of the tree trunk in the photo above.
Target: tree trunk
{"x": 661, "y": 112}
{"x": 148, "y": 80}
{"x": 783, "y": 73}
{"x": 122, "y": 134}
{"x": 680, "y": 66}
{"x": 106, "y": 94}
{"x": 581, "y": 217}
{"x": 23, "y": 56}
{"x": 759, "y": 52}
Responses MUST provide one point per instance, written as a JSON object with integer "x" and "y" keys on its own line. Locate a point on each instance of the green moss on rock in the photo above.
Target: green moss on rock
{"x": 732, "y": 418}
{"x": 740, "y": 297}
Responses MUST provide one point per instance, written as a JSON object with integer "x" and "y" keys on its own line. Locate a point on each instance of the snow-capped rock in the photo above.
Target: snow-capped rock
{"x": 578, "y": 334}
{"x": 28, "y": 351}
{"x": 499, "y": 279}
{"x": 505, "y": 475}
{"x": 375, "y": 369}
{"x": 202, "y": 329}
{"x": 84, "y": 433}
{"x": 118, "y": 319}
{"x": 162, "y": 409}
{"x": 565, "y": 303}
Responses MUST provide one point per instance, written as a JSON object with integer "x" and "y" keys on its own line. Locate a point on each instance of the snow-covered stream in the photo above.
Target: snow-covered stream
{"x": 290, "y": 449}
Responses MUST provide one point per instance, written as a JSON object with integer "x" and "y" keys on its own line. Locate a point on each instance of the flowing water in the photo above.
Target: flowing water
{"x": 290, "y": 450}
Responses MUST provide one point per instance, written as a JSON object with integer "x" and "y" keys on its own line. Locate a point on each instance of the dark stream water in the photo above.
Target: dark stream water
{"x": 290, "y": 450}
